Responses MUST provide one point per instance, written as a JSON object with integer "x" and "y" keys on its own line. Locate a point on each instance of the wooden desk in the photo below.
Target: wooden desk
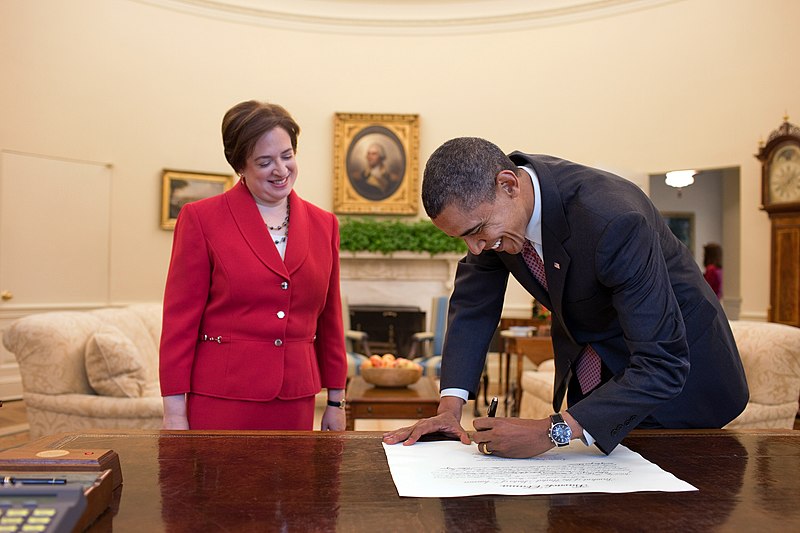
{"x": 312, "y": 481}
{"x": 419, "y": 400}
{"x": 536, "y": 349}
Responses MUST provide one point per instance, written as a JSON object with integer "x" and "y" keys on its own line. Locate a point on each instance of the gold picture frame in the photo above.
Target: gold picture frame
{"x": 376, "y": 164}
{"x": 181, "y": 187}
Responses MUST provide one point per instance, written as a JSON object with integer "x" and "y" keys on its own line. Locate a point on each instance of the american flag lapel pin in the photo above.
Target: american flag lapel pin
{"x": 557, "y": 265}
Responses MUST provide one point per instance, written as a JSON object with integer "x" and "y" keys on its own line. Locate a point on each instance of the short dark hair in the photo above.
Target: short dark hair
{"x": 462, "y": 171}
{"x": 245, "y": 123}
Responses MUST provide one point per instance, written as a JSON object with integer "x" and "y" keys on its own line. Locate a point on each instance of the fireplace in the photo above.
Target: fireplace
{"x": 390, "y": 296}
{"x": 399, "y": 279}
{"x": 390, "y": 327}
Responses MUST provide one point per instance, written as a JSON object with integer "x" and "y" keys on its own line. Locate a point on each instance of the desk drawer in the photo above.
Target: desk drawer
{"x": 388, "y": 410}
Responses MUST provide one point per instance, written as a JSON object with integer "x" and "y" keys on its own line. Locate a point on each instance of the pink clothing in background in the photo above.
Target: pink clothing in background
{"x": 713, "y": 275}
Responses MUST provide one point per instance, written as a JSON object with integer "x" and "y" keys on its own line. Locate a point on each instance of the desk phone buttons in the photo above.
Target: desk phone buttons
{"x": 50, "y": 509}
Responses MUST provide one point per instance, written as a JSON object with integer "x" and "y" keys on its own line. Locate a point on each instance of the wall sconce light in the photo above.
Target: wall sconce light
{"x": 680, "y": 179}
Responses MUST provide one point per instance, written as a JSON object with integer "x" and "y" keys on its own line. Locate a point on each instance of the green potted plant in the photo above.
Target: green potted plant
{"x": 386, "y": 236}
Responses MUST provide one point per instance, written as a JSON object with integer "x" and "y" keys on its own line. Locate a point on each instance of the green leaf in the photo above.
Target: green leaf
{"x": 390, "y": 235}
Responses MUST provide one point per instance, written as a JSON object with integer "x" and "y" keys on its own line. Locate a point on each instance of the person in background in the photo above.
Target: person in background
{"x": 639, "y": 339}
{"x": 252, "y": 326}
{"x": 712, "y": 262}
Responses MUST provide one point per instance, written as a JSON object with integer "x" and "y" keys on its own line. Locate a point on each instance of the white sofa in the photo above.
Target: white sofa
{"x": 771, "y": 356}
{"x": 89, "y": 369}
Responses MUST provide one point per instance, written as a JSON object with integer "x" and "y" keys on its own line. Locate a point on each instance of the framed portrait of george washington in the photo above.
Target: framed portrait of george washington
{"x": 181, "y": 187}
{"x": 376, "y": 164}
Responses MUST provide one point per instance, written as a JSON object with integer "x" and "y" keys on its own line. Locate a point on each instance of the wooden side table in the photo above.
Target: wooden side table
{"x": 536, "y": 349}
{"x": 366, "y": 401}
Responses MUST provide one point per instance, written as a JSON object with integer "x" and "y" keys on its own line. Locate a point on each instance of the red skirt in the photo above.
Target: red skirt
{"x": 208, "y": 412}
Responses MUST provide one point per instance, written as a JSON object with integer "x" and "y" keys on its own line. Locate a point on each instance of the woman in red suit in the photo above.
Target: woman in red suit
{"x": 252, "y": 326}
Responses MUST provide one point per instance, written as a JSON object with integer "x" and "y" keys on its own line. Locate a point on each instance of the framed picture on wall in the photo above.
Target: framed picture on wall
{"x": 682, "y": 226}
{"x": 376, "y": 164}
{"x": 181, "y": 187}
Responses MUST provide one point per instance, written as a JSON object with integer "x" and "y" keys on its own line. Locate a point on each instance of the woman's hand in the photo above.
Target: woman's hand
{"x": 175, "y": 412}
{"x": 333, "y": 419}
{"x": 175, "y": 422}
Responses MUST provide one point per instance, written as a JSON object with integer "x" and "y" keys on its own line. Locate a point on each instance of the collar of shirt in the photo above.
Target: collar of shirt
{"x": 533, "y": 232}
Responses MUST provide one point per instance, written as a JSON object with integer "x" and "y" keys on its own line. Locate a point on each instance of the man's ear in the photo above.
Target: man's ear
{"x": 508, "y": 182}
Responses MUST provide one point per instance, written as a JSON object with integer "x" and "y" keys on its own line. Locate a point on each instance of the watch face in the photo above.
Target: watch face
{"x": 561, "y": 434}
{"x": 784, "y": 175}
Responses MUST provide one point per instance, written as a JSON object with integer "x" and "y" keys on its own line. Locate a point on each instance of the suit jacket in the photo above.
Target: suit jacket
{"x": 618, "y": 279}
{"x": 239, "y": 322}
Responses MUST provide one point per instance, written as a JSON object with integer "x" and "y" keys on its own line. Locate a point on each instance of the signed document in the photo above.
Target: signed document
{"x": 448, "y": 468}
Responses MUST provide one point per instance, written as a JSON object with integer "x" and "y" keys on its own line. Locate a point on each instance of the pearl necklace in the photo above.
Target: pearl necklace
{"x": 284, "y": 224}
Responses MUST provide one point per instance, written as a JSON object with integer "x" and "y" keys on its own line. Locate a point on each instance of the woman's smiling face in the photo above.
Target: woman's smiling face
{"x": 271, "y": 170}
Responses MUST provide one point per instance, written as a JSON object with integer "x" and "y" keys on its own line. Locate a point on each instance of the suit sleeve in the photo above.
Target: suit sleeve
{"x": 329, "y": 343}
{"x": 185, "y": 296}
{"x": 474, "y": 312}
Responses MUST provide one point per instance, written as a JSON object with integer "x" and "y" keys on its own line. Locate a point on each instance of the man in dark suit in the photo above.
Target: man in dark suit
{"x": 628, "y": 302}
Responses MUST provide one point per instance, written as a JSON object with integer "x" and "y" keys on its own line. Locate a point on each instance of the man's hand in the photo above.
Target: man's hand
{"x": 448, "y": 421}
{"x": 513, "y": 437}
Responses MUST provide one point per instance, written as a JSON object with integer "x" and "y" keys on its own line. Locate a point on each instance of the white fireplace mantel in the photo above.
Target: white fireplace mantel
{"x": 399, "y": 266}
{"x": 397, "y": 278}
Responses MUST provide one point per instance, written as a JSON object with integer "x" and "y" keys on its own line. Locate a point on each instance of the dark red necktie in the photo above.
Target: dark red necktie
{"x": 534, "y": 262}
{"x": 588, "y": 368}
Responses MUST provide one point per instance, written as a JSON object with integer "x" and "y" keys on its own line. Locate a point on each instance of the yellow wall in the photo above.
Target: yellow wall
{"x": 689, "y": 83}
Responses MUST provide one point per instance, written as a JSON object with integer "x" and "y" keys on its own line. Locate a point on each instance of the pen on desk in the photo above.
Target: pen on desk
{"x": 8, "y": 480}
{"x": 492, "y": 407}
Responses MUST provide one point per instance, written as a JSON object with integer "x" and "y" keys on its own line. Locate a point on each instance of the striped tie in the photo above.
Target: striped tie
{"x": 588, "y": 367}
{"x": 534, "y": 262}
{"x": 588, "y": 370}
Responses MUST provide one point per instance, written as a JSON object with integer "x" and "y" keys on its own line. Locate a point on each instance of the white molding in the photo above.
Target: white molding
{"x": 397, "y": 266}
{"x": 405, "y": 17}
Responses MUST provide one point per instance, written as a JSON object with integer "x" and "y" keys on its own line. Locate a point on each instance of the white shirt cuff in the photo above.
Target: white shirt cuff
{"x": 460, "y": 393}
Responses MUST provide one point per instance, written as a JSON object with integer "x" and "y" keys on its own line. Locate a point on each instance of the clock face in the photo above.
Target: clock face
{"x": 784, "y": 175}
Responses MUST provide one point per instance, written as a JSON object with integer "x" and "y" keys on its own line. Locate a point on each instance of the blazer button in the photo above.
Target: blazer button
{"x": 285, "y": 285}
{"x": 278, "y": 342}
{"x": 281, "y": 314}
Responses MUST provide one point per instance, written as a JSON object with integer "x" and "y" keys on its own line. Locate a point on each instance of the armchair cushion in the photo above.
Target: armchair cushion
{"x": 113, "y": 364}
{"x": 431, "y": 366}
{"x": 354, "y": 361}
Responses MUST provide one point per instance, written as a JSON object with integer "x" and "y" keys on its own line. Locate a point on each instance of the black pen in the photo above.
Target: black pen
{"x": 7, "y": 480}
{"x": 492, "y": 407}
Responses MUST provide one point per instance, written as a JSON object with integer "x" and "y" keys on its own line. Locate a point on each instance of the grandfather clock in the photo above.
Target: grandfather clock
{"x": 780, "y": 198}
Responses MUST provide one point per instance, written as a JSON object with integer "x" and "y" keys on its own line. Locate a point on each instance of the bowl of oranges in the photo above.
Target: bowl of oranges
{"x": 389, "y": 371}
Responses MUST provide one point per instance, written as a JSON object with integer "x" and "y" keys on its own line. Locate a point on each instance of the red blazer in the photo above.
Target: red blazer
{"x": 241, "y": 323}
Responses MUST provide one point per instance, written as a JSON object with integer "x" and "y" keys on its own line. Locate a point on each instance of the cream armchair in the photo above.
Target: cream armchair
{"x": 771, "y": 357}
{"x": 93, "y": 369}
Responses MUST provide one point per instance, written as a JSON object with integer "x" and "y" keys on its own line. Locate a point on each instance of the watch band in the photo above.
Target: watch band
{"x": 560, "y": 433}
{"x": 340, "y": 404}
